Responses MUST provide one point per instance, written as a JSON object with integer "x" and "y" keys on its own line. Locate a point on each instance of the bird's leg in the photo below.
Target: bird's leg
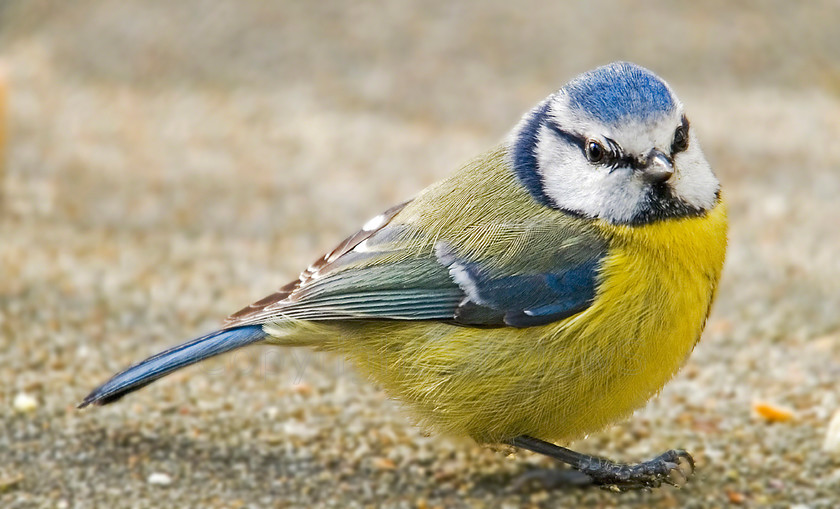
{"x": 673, "y": 467}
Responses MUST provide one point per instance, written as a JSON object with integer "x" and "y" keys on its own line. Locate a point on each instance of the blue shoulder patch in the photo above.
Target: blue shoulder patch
{"x": 522, "y": 300}
{"x": 618, "y": 90}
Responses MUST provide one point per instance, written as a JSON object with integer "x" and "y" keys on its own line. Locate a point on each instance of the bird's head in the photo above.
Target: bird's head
{"x": 614, "y": 144}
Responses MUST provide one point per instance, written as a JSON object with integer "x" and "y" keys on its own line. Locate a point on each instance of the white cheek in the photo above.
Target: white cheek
{"x": 699, "y": 186}
{"x": 624, "y": 193}
{"x": 568, "y": 179}
{"x": 573, "y": 184}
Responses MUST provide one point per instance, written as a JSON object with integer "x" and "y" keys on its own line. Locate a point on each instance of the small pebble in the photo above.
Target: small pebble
{"x": 384, "y": 464}
{"x": 831, "y": 443}
{"x": 25, "y": 403}
{"x": 160, "y": 479}
{"x": 9, "y": 482}
{"x": 302, "y": 388}
{"x": 735, "y": 497}
{"x": 772, "y": 413}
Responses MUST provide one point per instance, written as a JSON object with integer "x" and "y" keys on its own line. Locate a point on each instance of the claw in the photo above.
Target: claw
{"x": 686, "y": 462}
{"x": 676, "y": 477}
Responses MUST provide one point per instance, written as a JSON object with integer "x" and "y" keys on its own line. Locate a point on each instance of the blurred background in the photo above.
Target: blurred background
{"x": 165, "y": 163}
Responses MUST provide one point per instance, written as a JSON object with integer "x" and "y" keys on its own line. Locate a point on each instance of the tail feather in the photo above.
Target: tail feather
{"x": 175, "y": 358}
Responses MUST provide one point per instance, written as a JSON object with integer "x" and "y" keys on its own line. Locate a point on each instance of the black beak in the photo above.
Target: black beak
{"x": 658, "y": 167}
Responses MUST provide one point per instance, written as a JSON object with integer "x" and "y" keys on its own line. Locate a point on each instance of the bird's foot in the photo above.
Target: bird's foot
{"x": 673, "y": 467}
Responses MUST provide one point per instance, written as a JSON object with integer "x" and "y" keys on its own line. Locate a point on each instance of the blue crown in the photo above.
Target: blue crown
{"x": 619, "y": 90}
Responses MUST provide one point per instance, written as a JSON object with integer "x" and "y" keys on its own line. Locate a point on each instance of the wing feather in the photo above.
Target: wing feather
{"x": 406, "y": 264}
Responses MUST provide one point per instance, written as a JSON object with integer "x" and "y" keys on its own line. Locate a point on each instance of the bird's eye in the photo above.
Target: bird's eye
{"x": 680, "y": 142}
{"x": 595, "y": 152}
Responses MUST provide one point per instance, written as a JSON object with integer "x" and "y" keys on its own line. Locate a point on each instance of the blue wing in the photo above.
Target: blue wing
{"x": 376, "y": 275}
{"x": 520, "y": 300}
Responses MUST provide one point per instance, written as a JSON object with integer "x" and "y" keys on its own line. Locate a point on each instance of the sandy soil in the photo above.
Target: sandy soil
{"x": 170, "y": 162}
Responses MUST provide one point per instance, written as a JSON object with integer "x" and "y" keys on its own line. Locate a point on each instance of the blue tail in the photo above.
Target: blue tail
{"x": 157, "y": 366}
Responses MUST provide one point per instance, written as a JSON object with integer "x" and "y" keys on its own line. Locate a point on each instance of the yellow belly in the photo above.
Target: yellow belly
{"x": 562, "y": 380}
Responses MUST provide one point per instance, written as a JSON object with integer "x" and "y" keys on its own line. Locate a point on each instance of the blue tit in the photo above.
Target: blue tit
{"x": 548, "y": 288}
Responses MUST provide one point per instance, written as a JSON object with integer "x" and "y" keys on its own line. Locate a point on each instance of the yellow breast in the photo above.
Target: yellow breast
{"x": 658, "y": 284}
{"x": 569, "y": 378}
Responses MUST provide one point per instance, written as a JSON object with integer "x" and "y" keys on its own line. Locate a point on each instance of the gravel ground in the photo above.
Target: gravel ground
{"x": 171, "y": 162}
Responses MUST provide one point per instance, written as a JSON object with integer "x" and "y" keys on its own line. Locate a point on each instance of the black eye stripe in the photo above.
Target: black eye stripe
{"x": 614, "y": 156}
{"x": 575, "y": 139}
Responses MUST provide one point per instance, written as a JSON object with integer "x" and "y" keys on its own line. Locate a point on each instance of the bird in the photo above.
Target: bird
{"x": 546, "y": 289}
